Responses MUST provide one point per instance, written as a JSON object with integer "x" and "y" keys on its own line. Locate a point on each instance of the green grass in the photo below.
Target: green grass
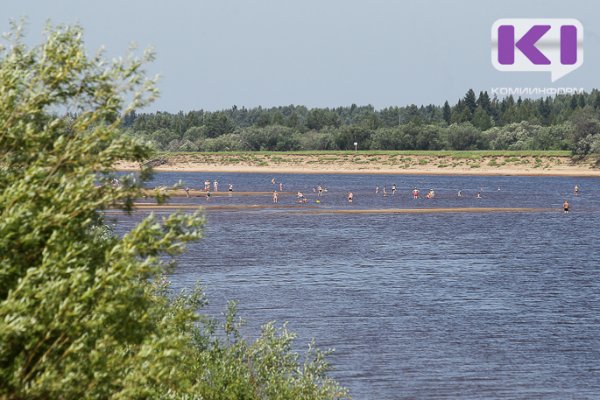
{"x": 473, "y": 154}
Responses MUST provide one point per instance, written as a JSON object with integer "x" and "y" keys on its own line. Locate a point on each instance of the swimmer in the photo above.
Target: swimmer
{"x": 319, "y": 190}
{"x": 566, "y": 207}
{"x": 231, "y": 187}
{"x": 393, "y": 189}
{"x": 431, "y": 193}
{"x": 273, "y": 181}
{"x": 376, "y": 189}
{"x": 576, "y": 190}
{"x": 350, "y": 197}
{"x": 275, "y": 196}
{"x": 208, "y": 195}
{"x": 460, "y": 193}
{"x": 478, "y": 195}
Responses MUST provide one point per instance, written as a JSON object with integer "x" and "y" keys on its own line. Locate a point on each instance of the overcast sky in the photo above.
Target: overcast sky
{"x": 319, "y": 53}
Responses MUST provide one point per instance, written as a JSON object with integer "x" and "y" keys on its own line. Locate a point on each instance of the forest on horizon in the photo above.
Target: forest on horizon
{"x": 474, "y": 122}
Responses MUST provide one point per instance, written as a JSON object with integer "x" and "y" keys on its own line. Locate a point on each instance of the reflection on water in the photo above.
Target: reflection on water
{"x": 446, "y": 306}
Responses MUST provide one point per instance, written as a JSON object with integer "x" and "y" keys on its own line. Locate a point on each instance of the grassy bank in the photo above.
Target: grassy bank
{"x": 388, "y": 162}
{"x": 429, "y": 153}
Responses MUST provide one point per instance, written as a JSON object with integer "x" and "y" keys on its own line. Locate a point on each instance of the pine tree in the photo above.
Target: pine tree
{"x": 481, "y": 119}
{"x": 447, "y": 112}
{"x": 470, "y": 101}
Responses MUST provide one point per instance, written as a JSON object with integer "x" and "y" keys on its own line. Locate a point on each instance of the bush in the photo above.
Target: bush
{"x": 87, "y": 314}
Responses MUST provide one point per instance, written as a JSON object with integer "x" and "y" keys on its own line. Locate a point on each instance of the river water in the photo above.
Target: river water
{"x": 432, "y": 305}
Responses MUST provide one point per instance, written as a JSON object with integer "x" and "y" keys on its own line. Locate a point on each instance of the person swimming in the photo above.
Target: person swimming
{"x": 566, "y": 207}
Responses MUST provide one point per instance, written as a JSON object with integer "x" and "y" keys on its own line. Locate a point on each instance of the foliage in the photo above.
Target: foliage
{"x": 549, "y": 123}
{"x": 84, "y": 313}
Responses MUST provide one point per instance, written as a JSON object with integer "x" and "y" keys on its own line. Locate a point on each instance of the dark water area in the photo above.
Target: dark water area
{"x": 442, "y": 306}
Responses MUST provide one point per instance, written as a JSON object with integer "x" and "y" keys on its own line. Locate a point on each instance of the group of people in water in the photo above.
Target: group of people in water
{"x": 207, "y": 186}
{"x": 321, "y": 189}
{"x": 566, "y": 208}
{"x": 415, "y": 192}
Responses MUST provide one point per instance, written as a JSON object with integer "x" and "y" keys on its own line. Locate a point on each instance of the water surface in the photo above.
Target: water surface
{"x": 443, "y": 306}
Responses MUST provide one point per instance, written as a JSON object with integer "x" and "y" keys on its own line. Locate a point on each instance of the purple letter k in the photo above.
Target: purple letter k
{"x": 506, "y": 44}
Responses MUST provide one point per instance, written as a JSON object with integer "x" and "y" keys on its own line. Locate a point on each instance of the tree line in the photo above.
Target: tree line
{"x": 474, "y": 122}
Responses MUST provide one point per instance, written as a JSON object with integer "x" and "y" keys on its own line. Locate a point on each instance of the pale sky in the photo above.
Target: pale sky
{"x": 319, "y": 53}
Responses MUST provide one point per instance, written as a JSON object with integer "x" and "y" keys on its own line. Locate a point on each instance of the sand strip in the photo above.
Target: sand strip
{"x": 201, "y": 193}
{"x": 317, "y": 210}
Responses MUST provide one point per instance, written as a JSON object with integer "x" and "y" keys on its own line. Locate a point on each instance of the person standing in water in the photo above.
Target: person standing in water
{"x": 415, "y": 193}
{"x": 216, "y": 185}
{"x": 384, "y": 192}
{"x": 206, "y": 185}
{"x": 393, "y": 189}
{"x": 275, "y": 196}
{"x": 208, "y": 195}
{"x": 319, "y": 190}
{"x": 576, "y": 190}
{"x": 566, "y": 207}
{"x": 231, "y": 187}
{"x": 376, "y": 189}
{"x": 187, "y": 191}
{"x": 350, "y": 197}
{"x": 281, "y": 186}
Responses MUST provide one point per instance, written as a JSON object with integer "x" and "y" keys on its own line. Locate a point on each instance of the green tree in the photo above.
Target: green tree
{"x": 87, "y": 314}
{"x": 447, "y": 112}
{"x": 465, "y": 137}
{"x": 217, "y": 124}
{"x": 585, "y": 130}
{"x": 481, "y": 119}
{"x": 470, "y": 101}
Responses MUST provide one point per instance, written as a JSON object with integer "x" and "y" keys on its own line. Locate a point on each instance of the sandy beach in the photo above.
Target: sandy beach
{"x": 372, "y": 164}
